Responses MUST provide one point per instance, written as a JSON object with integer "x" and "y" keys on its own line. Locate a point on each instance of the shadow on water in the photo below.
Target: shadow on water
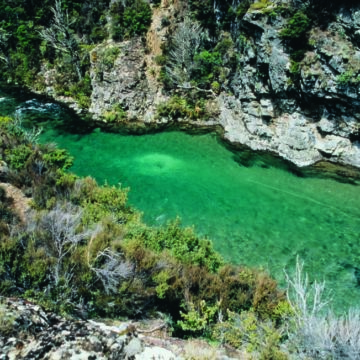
{"x": 321, "y": 170}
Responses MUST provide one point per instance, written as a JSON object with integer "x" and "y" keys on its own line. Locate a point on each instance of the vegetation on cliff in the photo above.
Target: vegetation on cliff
{"x": 43, "y": 35}
{"x": 200, "y": 55}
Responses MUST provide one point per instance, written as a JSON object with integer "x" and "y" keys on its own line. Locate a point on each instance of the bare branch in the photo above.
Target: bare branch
{"x": 113, "y": 271}
{"x": 306, "y": 302}
{"x": 59, "y": 36}
{"x": 318, "y": 335}
{"x": 185, "y": 44}
{"x": 62, "y": 225}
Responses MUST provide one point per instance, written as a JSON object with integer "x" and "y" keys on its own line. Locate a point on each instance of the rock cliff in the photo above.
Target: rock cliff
{"x": 305, "y": 111}
{"x": 315, "y": 118}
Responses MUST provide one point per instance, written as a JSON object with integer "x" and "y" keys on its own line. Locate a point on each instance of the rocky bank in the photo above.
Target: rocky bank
{"x": 29, "y": 332}
{"x": 312, "y": 119}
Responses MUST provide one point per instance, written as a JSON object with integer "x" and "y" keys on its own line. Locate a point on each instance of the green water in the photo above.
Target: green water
{"x": 263, "y": 216}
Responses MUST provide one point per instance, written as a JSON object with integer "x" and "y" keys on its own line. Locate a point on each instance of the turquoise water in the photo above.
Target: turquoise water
{"x": 261, "y": 216}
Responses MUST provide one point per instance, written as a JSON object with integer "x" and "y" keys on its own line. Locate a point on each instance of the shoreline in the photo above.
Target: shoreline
{"x": 245, "y": 155}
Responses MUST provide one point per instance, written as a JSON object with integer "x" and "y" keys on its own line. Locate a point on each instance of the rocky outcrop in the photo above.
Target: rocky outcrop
{"x": 28, "y": 332}
{"x": 318, "y": 121}
{"x": 307, "y": 117}
{"x": 119, "y": 83}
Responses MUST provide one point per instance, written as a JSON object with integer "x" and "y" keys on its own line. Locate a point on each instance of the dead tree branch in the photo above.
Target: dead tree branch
{"x": 58, "y": 35}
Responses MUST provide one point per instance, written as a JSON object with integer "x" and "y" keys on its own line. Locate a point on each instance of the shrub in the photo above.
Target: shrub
{"x": 319, "y": 333}
{"x": 17, "y": 157}
{"x": 160, "y": 60}
{"x": 296, "y": 27}
{"x": 106, "y": 201}
{"x": 109, "y": 56}
{"x": 183, "y": 107}
{"x": 5, "y": 120}
{"x": 117, "y": 114}
{"x": 81, "y": 92}
{"x": 245, "y": 331}
{"x": 59, "y": 158}
{"x": 198, "y": 319}
{"x": 260, "y": 4}
{"x": 184, "y": 245}
{"x": 131, "y": 19}
{"x": 207, "y": 67}
{"x": 348, "y": 78}
{"x": 242, "y": 8}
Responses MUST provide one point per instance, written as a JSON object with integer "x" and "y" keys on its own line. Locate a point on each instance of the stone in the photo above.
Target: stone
{"x": 134, "y": 347}
{"x": 155, "y": 353}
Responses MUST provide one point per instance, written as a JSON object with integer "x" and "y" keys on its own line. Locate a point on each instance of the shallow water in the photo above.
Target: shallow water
{"x": 258, "y": 215}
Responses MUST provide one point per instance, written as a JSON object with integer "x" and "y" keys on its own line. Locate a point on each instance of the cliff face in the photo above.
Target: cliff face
{"x": 315, "y": 118}
{"x": 305, "y": 109}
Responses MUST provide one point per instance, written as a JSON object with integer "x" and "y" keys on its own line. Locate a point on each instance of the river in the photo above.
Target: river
{"x": 260, "y": 215}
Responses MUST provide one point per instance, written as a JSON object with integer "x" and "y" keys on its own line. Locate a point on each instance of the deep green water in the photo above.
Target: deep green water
{"x": 262, "y": 216}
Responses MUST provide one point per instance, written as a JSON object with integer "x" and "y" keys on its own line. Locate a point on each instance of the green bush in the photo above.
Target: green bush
{"x": 348, "y": 78}
{"x": 102, "y": 202}
{"x": 260, "y": 4}
{"x": 117, "y": 114}
{"x": 109, "y": 56}
{"x": 242, "y": 8}
{"x": 246, "y": 331}
{"x": 181, "y": 107}
{"x": 198, "y": 319}
{"x": 183, "y": 245}
{"x": 59, "y": 158}
{"x": 160, "y": 60}
{"x": 130, "y": 20}
{"x": 81, "y": 92}
{"x": 17, "y": 157}
{"x": 207, "y": 67}
{"x": 296, "y": 27}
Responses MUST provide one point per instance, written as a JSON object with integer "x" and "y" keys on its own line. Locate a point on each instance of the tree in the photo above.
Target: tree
{"x": 62, "y": 225}
{"x": 61, "y": 38}
{"x": 113, "y": 270}
{"x": 4, "y": 37}
{"x": 185, "y": 44}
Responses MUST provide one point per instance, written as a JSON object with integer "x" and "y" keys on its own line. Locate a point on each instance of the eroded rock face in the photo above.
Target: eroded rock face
{"x": 315, "y": 119}
{"x": 120, "y": 82}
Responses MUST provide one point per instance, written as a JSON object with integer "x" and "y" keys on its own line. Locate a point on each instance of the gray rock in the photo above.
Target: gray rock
{"x": 134, "y": 347}
{"x": 122, "y": 84}
{"x": 155, "y": 353}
